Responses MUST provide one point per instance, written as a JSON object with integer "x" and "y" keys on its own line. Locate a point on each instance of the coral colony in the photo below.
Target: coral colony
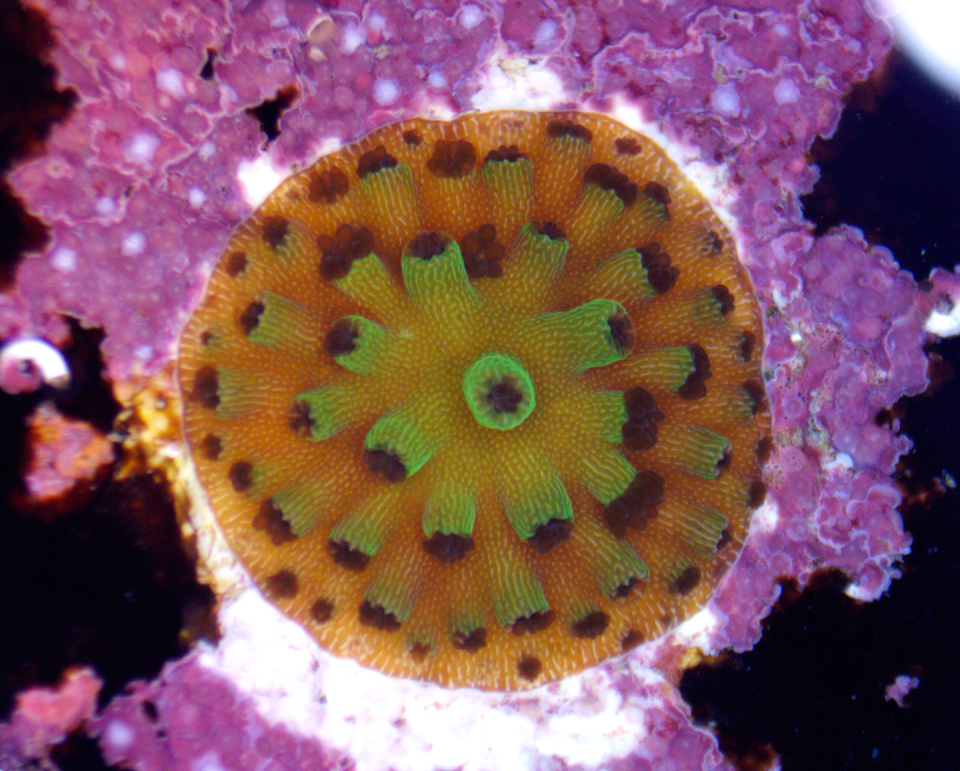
{"x": 541, "y": 450}
{"x": 552, "y": 284}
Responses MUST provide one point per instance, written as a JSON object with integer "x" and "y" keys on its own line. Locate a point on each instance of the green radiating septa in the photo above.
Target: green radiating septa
{"x": 396, "y": 439}
{"x": 622, "y": 276}
{"x": 450, "y": 510}
{"x": 275, "y": 319}
{"x": 357, "y": 344}
{"x": 517, "y": 593}
{"x": 322, "y": 412}
{"x": 544, "y": 498}
{"x": 499, "y": 391}
{"x": 594, "y": 334}
{"x": 435, "y": 278}
{"x": 302, "y": 505}
{"x": 370, "y": 284}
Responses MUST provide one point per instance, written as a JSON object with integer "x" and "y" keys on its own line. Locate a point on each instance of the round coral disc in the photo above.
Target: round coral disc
{"x": 480, "y": 402}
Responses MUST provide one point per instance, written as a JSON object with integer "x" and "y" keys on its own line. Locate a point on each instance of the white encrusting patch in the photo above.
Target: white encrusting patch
{"x": 170, "y": 81}
{"x": 385, "y": 722}
{"x": 786, "y": 91}
{"x": 470, "y": 16}
{"x": 118, "y": 736}
{"x": 141, "y": 148}
{"x": 258, "y": 178}
{"x": 385, "y": 91}
{"x": 133, "y": 244}
{"x": 725, "y": 99}
{"x": 944, "y": 321}
{"x": 64, "y": 259}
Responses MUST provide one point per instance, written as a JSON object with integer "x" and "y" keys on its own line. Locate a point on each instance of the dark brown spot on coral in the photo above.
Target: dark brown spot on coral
{"x": 275, "y": 231}
{"x": 375, "y": 160}
{"x": 726, "y": 537}
{"x": 504, "y": 397}
{"x": 504, "y": 153}
{"x": 758, "y": 397}
{"x": 322, "y": 610}
{"x": 235, "y": 264}
{"x": 550, "y": 534}
{"x": 346, "y": 556}
{"x": 627, "y": 146}
{"x": 482, "y": 254}
{"x": 535, "y": 622}
{"x": 453, "y": 159}
{"x": 339, "y": 251}
{"x": 283, "y": 583}
{"x": 471, "y": 641}
{"x": 211, "y": 446}
{"x": 723, "y": 464}
{"x": 206, "y": 337}
{"x": 747, "y": 343}
{"x": 660, "y": 195}
{"x": 686, "y": 582}
{"x": 328, "y": 187}
{"x": 412, "y": 137}
{"x": 636, "y": 506}
{"x": 529, "y": 667}
{"x": 342, "y": 337}
{"x": 426, "y": 246}
{"x": 385, "y": 464}
{"x": 695, "y": 386}
{"x": 764, "y": 449}
{"x": 621, "y": 330}
{"x": 607, "y": 177}
{"x": 250, "y": 318}
{"x": 626, "y": 588}
{"x": 660, "y": 273}
{"x": 551, "y": 230}
{"x": 631, "y": 640}
{"x": 240, "y": 475}
{"x": 591, "y": 625}
{"x": 757, "y": 494}
{"x": 639, "y": 431}
{"x": 567, "y": 128}
{"x": 724, "y": 299}
{"x": 419, "y": 652}
{"x": 299, "y": 419}
{"x": 448, "y": 547}
{"x": 378, "y": 617}
{"x": 715, "y": 242}
{"x": 269, "y": 520}
{"x": 206, "y": 387}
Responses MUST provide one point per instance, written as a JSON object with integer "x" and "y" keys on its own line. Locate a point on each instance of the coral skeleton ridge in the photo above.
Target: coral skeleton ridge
{"x": 481, "y": 402}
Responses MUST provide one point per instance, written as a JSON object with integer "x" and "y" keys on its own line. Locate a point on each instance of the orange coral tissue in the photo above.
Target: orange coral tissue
{"x": 480, "y": 402}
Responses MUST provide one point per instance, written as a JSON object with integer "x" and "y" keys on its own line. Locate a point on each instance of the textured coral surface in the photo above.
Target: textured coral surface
{"x": 142, "y": 186}
{"x": 512, "y": 389}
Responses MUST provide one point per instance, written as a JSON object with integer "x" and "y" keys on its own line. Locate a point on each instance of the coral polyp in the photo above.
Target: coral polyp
{"x": 480, "y": 402}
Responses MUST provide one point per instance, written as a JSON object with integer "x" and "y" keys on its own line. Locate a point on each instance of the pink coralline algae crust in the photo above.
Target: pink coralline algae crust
{"x": 43, "y": 716}
{"x": 187, "y": 716}
{"x": 140, "y": 191}
{"x": 65, "y": 452}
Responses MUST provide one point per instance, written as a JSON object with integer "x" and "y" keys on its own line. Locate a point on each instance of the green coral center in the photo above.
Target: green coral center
{"x": 498, "y": 391}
